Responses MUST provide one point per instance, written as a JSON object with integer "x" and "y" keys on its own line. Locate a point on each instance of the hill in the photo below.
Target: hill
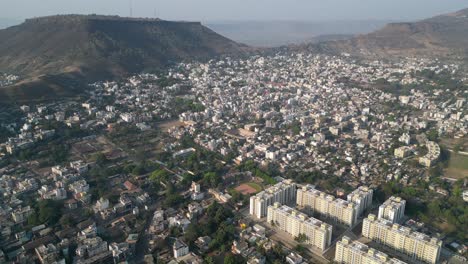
{"x": 444, "y": 35}
{"x": 50, "y": 53}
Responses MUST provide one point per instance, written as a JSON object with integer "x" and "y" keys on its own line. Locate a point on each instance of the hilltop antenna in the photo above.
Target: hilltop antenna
{"x": 131, "y": 7}
{"x": 157, "y": 9}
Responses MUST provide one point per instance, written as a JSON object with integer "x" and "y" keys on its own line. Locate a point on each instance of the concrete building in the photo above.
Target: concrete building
{"x": 402, "y": 152}
{"x": 314, "y": 200}
{"x": 283, "y": 193}
{"x": 354, "y": 252}
{"x": 465, "y": 195}
{"x": 362, "y": 197}
{"x": 416, "y": 245}
{"x": 433, "y": 153}
{"x": 91, "y": 247}
{"x": 393, "y": 209}
{"x": 295, "y": 223}
{"x": 21, "y": 214}
{"x": 180, "y": 249}
{"x": 48, "y": 254}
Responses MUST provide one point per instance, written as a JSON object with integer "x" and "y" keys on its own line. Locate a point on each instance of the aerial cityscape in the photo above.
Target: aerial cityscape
{"x": 128, "y": 139}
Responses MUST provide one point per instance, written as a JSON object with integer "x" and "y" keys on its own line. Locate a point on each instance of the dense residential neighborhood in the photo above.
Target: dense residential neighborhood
{"x": 284, "y": 158}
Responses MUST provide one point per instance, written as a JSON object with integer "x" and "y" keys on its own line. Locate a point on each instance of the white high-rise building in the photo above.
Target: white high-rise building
{"x": 314, "y": 200}
{"x": 283, "y": 193}
{"x": 355, "y": 252}
{"x": 362, "y": 197}
{"x": 393, "y": 209}
{"x": 317, "y": 233}
{"x": 414, "y": 244}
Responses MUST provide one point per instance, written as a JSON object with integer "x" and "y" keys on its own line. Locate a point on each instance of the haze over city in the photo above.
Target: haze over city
{"x": 209, "y": 10}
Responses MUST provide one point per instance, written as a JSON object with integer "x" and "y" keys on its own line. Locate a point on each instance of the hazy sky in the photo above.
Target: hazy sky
{"x": 206, "y": 10}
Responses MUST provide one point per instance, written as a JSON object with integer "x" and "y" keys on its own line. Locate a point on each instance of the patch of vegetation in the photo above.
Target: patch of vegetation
{"x": 216, "y": 224}
{"x": 182, "y": 105}
{"x": 429, "y": 207}
{"x": 257, "y": 172}
{"x": 46, "y": 212}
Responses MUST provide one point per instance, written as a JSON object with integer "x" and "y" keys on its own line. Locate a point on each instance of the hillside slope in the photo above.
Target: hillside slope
{"x": 87, "y": 48}
{"x": 445, "y": 35}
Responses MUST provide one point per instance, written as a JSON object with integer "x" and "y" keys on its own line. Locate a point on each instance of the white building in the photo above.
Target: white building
{"x": 180, "y": 249}
{"x": 416, "y": 245}
{"x": 393, "y": 209}
{"x": 283, "y": 193}
{"x": 317, "y": 233}
{"x": 362, "y": 197}
{"x": 314, "y": 200}
{"x": 354, "y": 252}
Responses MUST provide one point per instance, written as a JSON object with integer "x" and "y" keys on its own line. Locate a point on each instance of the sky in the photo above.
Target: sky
{"x": 243, "y": 10}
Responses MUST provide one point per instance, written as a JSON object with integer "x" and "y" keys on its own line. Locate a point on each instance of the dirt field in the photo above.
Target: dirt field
{"x": 165, "y": 126}
{"x": 458, "y": 166}
{"x": 246, "y": 189}
{"x": 86, "y": 149}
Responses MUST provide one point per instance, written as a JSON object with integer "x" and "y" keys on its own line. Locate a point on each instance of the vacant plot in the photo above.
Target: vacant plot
{"x": 166, "y": 125}
{"x": 458, "y": 166}
{"x": 452, "y": 143}
{"x": 248, "y": 188}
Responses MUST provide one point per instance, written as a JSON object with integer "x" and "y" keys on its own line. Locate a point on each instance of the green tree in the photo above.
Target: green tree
{"x": 192, "y": 232}
{"x": 434, "y": 208}
{"x": 159, "y": 175}
{"x": 229, "y": 259}
{"x": 208, "y": 260}
{"x": 49, "y": 211}
{"x": 212, "y": 179}
{"x": 101, "y": 159}
{"x": 139, "y": 170}
{"x": 66, "y": 220}
{"x": 433, "y": 135}
{"x": 301, "y": 238}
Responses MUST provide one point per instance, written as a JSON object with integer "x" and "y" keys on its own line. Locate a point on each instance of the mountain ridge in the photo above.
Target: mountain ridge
{"x": 443, "y": 35}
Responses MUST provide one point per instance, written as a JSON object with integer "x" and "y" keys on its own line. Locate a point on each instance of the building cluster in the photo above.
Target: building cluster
{"x": 290, "y": 110}
{"x": 313, "y": 200}
{"x": 8, "y": 79}
{"x": 355, "y": 252}
{"x": 310, "y": 113}
{"x": 317, "y": 233}
{"x": 384, "y": 229}
{"x": 283, "y": 192}
{"x": 273, "y": 203}
{"x": 416, "y": 245}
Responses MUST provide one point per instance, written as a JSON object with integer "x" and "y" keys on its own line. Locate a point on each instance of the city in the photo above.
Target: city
{"x": 128, "y": 139}
{"x": 301, "y": 121}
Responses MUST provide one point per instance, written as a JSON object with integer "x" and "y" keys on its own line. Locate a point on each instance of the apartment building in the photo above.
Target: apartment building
{"x": 355, "y": 252}
{"x": 433, "y": 153}
{"x": 393, "y": 209}
{"x": 314, "y": 200}
{"x": 317, "y": 233}
{"x": 362, "y": 197}
{"x": 402, "y": 152}
{"x": 283, "y": 193}
{"x": 416, "y": 245}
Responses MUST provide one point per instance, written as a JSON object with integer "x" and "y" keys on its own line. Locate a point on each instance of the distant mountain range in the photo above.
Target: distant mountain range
{"x": 441, "y": 36}
{"x": 55, "y": 55}
{"x": 278, "y": 33}
{"x": 8, "y": 22}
